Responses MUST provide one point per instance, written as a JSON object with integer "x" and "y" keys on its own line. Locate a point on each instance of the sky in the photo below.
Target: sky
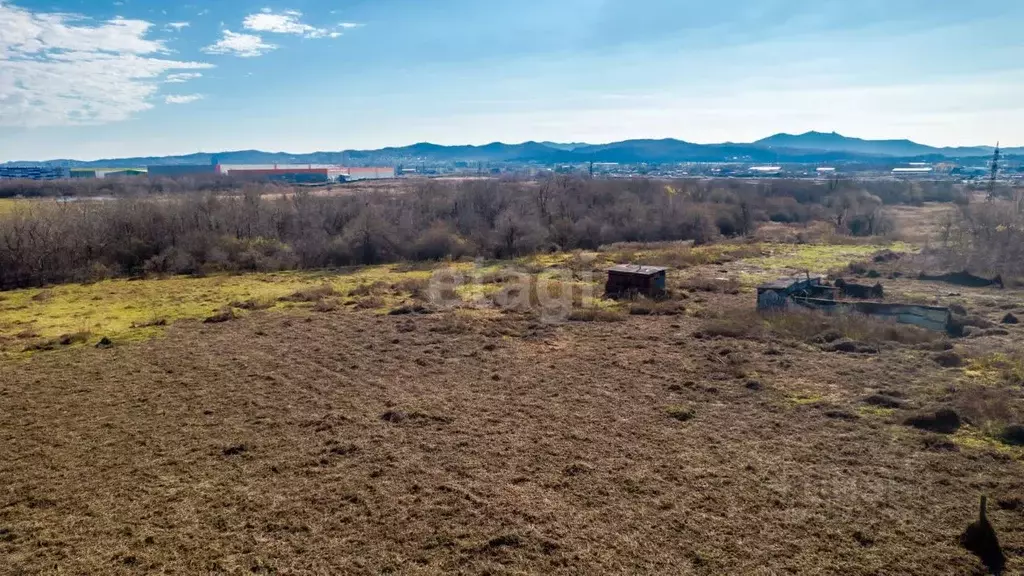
{"x": 91, "y": 79}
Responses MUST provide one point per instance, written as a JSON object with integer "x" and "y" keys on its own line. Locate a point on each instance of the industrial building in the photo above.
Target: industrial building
{"x": 913, "y": 171}
{"x": 301, "y": 173}
{"x": 106, "y": 172}
{"x": 368, "y": 173}
{"x": 34, "y": 172}
{"x": 172, "y": 171}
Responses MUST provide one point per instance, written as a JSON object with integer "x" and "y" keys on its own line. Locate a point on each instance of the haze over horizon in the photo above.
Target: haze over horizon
{"x": 90, "y": 80}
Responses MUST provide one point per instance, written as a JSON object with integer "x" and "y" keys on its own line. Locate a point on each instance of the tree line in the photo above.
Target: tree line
{"x": 195, "y": 232}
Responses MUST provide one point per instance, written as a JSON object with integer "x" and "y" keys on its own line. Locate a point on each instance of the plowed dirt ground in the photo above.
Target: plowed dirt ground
{"x": 350, "y": 442}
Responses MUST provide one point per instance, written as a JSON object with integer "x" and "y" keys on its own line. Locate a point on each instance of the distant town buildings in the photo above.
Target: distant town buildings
{"x": 296, "y": 173}
{"x": 34, "y": 172}
{"x": 172, "y": 171}
{"x": 299, "y": 173}
{"x": 919, "y": 170}
{"x": 955, "y": 170}
{"x": 106, "y": 172}
{"x": 766, "y": 170}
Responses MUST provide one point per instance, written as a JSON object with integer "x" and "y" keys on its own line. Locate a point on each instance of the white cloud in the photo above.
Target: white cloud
{"x": 289, "y": 22}
{"x": 61, "y": 69}
{"x": 177, "y": 26}
{"x": 240, "y": 44}
{"x": 182, "y": 77}
{"x": 183, "y": 99}
{"x": 285, "y": 23}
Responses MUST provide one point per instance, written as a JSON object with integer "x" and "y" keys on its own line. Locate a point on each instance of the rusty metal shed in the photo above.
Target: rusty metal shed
{"x": 625, "y": 279}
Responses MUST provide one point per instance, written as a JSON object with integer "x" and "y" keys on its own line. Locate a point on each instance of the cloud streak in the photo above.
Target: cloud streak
{"x": 290, "y": 22}
{"x": 240, "y": 44}
{"x": 286, "y": 22}
{"x": 182, "y": 77}
{"x": 60, "y": 69}
{"x": 183, "y": 98}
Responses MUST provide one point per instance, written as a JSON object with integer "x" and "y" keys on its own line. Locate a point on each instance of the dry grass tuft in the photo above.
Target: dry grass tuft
{"x": 594, "y": 314}
{"x": 407, "y": 309}
{"x": 255, "y": 303}
{"x": 499, "y": 277}
{"x": 949, "y": 359}
{"x": 416, "y": 288}
{"x": 647, "y": 307}
{"x": 736, "y": 325}
{"x": 716, "y": 285}
{"x": 225, "y": 314}
{"x": 942, "y": 421}
{"x": 79, "y": 337}
{"x": 311, "y": 294}
{"x": 150, "y": 323}
{"x": 42, "y": 296}
{"x": 681, "y": 413}
{"x": 370, "y": 303}
{"x": 326, "y": 305}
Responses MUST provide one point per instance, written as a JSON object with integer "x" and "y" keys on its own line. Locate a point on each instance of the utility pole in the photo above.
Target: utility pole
{"x": 994, "y": 175}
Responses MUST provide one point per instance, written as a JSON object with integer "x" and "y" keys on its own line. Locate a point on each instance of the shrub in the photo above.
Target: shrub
{"x": 681, "y": 413}
{"x": 193, "y": 229}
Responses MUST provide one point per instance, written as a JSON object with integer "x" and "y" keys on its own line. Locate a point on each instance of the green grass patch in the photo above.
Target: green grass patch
{"x": 130, "y": 310}
{"x": 818, "y": 258}
{"x": 995, "y": 369}
{"x": 877, "y": 411}
{"x": 977, "y": 439}
{"x": 805, "y": 399}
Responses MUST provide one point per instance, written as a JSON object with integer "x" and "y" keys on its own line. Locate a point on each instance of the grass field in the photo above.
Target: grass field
{"x": 304, "y": 438}
{"x": 129, "y": 310}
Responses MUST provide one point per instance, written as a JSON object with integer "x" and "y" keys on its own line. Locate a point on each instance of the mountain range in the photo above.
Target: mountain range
{"x": 810, "y": 147}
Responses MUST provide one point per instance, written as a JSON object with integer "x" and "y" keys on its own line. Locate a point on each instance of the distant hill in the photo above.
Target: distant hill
{"x": 811, "y": 147}
{"x": 565, "y": 146}
{"x": 894, "y": 148}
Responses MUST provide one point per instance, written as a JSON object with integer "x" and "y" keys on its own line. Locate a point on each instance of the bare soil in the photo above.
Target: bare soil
{"x": 350, "y": 442}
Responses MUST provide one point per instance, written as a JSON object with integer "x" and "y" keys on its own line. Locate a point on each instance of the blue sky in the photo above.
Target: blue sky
{"x": 88, "y": 79}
